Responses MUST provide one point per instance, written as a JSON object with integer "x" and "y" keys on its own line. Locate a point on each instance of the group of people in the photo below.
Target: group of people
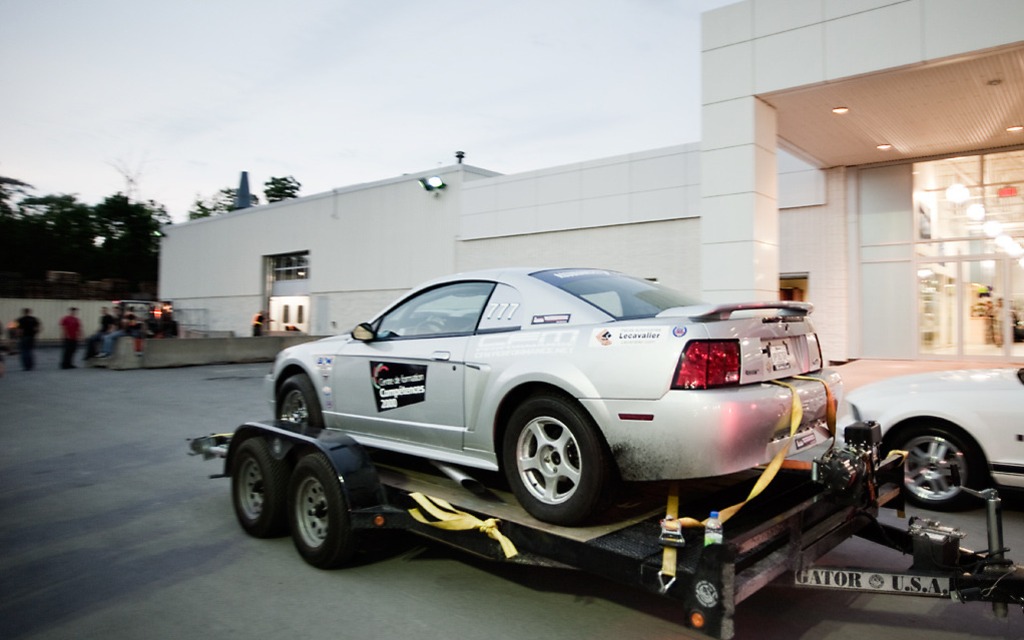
{"x": 23, "y": 332}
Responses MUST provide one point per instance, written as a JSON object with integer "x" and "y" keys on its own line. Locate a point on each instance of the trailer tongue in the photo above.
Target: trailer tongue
{"x": 330, "y": 492}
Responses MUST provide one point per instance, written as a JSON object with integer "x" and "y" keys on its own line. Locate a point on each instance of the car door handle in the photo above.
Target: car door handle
{"x": 441, "y": 355}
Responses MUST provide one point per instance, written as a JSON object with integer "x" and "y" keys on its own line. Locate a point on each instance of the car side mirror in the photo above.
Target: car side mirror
{"x": 364, "y": 332}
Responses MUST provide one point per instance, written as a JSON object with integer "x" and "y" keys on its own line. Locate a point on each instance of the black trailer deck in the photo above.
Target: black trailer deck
{"x": 789, "y": 525}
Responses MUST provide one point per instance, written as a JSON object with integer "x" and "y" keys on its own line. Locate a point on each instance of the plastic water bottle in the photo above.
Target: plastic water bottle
{"x": 712, "y": 530}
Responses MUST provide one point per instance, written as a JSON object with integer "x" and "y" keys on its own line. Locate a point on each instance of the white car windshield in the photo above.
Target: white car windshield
{"x": 620, "y": 296}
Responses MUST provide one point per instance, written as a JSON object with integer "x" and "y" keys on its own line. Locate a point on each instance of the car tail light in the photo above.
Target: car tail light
{"x": 708, "y": 363}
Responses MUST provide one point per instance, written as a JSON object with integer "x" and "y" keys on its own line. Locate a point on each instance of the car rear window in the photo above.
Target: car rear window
{"x": 620, "y": 296}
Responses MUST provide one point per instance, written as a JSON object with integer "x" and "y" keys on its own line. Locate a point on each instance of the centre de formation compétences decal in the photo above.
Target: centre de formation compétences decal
{"x": 396, "y": 384}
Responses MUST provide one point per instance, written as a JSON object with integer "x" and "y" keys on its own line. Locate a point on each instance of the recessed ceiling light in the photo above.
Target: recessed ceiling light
{"x": 884, "y": 147}
{"x": 840, "y": 110}
{"x": 1017, "y": 128}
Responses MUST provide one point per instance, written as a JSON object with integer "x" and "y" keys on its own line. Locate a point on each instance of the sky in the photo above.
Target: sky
{"x": 171, "y": 101}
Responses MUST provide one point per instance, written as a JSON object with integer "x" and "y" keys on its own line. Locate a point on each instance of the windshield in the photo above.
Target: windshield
{"x": 620, "y": 296}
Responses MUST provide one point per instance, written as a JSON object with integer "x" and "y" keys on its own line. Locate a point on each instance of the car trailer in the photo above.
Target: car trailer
{"x": 327, "y": 490}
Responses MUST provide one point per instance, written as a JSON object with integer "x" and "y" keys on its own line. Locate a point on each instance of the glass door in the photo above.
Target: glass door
{"x": 938, "y": 326}
{"x": 1015, "y": 310}
{"x": 982, "y": 308}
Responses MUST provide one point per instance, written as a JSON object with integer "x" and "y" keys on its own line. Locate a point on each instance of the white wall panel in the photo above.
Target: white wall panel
{"x": 724, "y": 169}
{"x": 886, "y": 37}
{"x": 661, "y": 204}
{"x": 953, "y": 26}
{"x": 727, "y": 73}
{"x": 887, "y": 294}
{"x": 668, "y": 251}
{"x": 728, "y": 124}
{"x": 790, "y": 59}
{"x": 728, "y": 217}
{"x": 727, "y": 25}
{"x": 840, "y": 8}
{"x": 605, "y": 180}
{"x": 777, "y": 16}
{"x": 561, "y": 186}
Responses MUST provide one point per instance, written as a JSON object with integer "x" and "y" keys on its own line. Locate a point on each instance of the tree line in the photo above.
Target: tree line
{"x": 117, "y": 238}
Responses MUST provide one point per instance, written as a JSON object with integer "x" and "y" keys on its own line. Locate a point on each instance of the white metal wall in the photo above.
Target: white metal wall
{"x": 380, "y": 238}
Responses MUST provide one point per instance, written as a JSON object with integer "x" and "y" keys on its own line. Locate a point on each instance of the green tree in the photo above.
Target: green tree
{"x": 130, "y": 235}
{"x": 222, "y": 202}
{"x": 277, "y": 189}
{"x": 60, "y": 234}
{"x": 10, "y": 187}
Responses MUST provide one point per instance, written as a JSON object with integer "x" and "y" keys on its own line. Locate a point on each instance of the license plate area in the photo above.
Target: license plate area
{"x": 780, "y": 356}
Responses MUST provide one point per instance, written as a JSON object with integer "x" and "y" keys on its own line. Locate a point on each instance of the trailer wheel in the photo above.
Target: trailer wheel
{"x": 318, "y": 514}
{"x": 933, "y": 448}
{"x": 556, "y": 462}
{"x": 258, "y": 484}
{"x": 297, "y": 402}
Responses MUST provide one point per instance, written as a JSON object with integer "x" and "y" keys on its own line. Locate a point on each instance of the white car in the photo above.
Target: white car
{"x": 567, "y": 380}
{"x": 972, "y": 420}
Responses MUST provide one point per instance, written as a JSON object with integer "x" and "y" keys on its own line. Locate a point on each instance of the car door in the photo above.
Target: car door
{"x": 406, "y": 385}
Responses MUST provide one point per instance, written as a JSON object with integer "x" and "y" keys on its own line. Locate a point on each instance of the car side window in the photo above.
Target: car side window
{"x": 447, "y": 310}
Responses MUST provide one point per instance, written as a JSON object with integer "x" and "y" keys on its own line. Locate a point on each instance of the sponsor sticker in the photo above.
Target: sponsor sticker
{"x": 397, "y": 384}
{"x": 627, "y": 336}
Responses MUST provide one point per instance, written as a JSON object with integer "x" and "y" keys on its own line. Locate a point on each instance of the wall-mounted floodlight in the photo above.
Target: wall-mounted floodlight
{"x": 433, "y": 183}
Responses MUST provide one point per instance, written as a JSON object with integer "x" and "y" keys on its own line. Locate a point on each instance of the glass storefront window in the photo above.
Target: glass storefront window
{"x": 969, "y": 246}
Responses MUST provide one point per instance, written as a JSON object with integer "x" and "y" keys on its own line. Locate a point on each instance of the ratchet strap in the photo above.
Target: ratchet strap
{"x": 449, "y": 518}
{"x": 668, "y": 564}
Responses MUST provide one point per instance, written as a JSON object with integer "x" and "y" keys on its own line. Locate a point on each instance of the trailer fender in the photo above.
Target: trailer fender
{"x": 356, "y": 472}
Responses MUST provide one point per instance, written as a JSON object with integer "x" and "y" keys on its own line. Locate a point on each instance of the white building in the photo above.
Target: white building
{"x": 865, "y": 155}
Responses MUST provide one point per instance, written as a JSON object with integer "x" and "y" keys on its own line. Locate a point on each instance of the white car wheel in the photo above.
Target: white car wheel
{"x": 933, "y": 450}
{"x": 556, "y": 462}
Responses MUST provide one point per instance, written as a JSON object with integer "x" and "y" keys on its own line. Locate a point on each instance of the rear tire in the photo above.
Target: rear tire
{"x": 556, "y": 462}
{"x": 318, "y": 514}
{"x": 258, "y": 484}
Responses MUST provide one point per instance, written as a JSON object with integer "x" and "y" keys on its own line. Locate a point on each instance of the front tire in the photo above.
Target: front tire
{"x": 258, "y": 484}
{"x": 318, "y": 514}
{"x": 933, "y": 448}
{"x": 298, "y": 403}
{"x": 556, "y": 462}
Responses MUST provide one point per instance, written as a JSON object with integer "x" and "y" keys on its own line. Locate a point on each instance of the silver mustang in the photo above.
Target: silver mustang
{"x": 567, "y": 380}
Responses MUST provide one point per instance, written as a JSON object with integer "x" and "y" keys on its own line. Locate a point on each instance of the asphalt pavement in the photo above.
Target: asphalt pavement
{"x": 109, "y": 530}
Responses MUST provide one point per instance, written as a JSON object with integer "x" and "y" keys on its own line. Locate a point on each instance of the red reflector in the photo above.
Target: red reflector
{"x": 708, "y": 363}
{"x": 1007, "y": 192}
{"x": 638, "y": 417}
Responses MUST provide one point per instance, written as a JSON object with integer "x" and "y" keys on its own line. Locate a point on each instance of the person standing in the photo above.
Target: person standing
{"x": 257, "y": 324}
{"x": 28, "y": 328}
{"x": 71, "y": 331}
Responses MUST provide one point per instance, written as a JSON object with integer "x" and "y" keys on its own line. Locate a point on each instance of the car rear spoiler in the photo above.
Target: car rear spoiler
{"x": 708, "y": 312}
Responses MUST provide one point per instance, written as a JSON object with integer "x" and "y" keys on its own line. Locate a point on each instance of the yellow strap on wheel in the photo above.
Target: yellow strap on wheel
{"x": 449, "y": 518}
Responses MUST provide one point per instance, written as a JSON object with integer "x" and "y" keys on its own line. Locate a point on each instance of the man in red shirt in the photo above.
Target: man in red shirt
{"x": 71, "y": 331}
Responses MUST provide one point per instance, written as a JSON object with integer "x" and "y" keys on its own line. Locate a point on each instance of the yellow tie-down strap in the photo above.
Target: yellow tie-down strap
{"x": 449, "y": 518}
{"x": 668, "y": 567}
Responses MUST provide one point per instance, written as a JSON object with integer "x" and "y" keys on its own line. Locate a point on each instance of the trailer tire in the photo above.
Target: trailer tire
{"x": 318, "y": 514}
{"x": 258, "y": 484}
{"x": 297, "y": 402}
{"x": 556, "y": 462}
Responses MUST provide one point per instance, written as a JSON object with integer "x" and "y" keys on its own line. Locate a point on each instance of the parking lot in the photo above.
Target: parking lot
{"x": 109, "y": 530}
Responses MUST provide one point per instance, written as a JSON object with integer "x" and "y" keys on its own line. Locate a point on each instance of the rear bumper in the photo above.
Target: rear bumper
{"x": 712, "y": 432}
